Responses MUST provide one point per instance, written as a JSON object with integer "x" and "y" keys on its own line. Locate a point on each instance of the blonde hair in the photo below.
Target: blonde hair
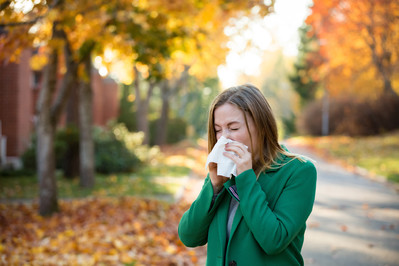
{"x": 252, "y": 102}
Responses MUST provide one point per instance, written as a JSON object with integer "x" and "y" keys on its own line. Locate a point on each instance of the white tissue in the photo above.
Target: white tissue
{"x": 226, "y": 167}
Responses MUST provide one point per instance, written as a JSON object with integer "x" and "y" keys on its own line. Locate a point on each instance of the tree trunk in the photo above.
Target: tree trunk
{"x": 85, "y": 127}
{"x": 162, "y": 125}
{"x": 380, "y": 51}
{"x": 168, "y": 89}
{"x": 48, "y": 113}
{"x": 142, "y": 118}
{"x": 71, "y": 162}
{"x": 45, "y": 130}
{"x": 143, "y": 107}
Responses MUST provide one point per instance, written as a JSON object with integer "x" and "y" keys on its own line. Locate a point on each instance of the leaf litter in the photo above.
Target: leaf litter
{"x": 96, "y": 231}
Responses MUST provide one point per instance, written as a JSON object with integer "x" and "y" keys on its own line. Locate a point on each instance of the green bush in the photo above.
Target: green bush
{"x": 68, "y": 136}
{"x": 29, "y": 157}
{"x": 112, "y": 156}
{"x": 11, "y": 172}
{"x": 114, "y": 149}
{"x": 176, "y": 130}
{"x": 289, "y": 126}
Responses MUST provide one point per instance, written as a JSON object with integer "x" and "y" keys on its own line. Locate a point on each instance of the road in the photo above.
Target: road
{"x": 355, "y": 220}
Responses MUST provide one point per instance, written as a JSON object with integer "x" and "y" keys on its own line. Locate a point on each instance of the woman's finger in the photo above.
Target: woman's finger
{"x": 238, "y": 149}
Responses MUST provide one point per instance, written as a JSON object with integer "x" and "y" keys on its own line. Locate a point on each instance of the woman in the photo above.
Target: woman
{"x": 259, "y": 216}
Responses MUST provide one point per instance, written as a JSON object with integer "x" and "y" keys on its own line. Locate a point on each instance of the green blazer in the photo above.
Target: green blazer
{"x": 269, "y": 225}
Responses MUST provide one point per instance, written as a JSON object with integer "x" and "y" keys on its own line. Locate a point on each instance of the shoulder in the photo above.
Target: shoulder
{"x": 288, "y": 160}
{"x": 302, "y": 172}
{"x": 294, "y": 165}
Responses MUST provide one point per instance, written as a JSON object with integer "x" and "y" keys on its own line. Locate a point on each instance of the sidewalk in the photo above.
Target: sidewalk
{"x": 355, "y": 220}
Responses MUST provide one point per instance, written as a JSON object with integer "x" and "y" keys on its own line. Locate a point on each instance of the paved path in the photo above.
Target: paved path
{"x": 355, "y": 221}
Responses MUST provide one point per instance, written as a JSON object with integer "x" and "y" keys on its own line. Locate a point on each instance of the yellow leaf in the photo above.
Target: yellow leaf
{"x": 69, "y": 233}
{"x": 118, "y": 244}
{"x": 53, "y": 14}
{"x": 97, "y": 256}
{"x": 38, "y": 61}
{"x": 125, "y": 258}
{"x": 160, "y": 223}
{"x": 137, "y": 226}
{"x": 37, "y": 250}
{"x": 113, "y": 252}
{"x": 171, "y": 249}
{"x": 39, "y": 233}
{"x": 79, "y": 18}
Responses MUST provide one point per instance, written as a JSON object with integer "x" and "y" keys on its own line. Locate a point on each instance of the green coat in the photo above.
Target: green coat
{"x": 269, "y": 225}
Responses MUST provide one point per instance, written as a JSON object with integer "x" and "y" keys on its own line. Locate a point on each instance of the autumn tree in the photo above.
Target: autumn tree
{"x": 56, "y": 26}
{"x": 304, "y": 82}
{"x": 201, "y": 51}
{"x": 359, "y": 44}
{"x": 72, "y": 32}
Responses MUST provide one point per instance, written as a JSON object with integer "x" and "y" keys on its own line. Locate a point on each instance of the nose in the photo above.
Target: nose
{"x": 226, "y": 133}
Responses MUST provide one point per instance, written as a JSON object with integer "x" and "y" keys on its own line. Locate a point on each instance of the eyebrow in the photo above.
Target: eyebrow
{"x": 229, "y": 124}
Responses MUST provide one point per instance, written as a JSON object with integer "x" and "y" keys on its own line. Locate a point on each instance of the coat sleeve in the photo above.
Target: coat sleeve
{"x": 275, "y": 229}
{"x": 195, "y": 222}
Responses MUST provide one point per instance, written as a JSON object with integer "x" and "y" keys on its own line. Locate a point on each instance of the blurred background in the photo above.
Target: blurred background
{"x": 109, "y": 99}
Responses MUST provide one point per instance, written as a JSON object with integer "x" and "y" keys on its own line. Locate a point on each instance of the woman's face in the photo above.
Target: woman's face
{"x": 229, "y": 122}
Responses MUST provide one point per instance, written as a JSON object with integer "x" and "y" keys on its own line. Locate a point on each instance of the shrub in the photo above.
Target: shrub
{"x": 111, "y": 155}
{"x": 115, "y": 149}
{"x": 353, "y": 117}
{"x": 65, "y": 137}
{"x": 176, "y": 130}
{"x": 29, "y": 157}
{"x": 288, "y": 126}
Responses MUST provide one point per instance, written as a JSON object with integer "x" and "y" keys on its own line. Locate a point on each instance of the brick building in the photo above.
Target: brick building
{"x": 19, "y": 90}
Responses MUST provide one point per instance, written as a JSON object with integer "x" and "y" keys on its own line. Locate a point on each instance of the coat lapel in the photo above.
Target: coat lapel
{"x": 222, "y": 221}
{"x": 236, "y": 221}
{"x": 230, "y": 186}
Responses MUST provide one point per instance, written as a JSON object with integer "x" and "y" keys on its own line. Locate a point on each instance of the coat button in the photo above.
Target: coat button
{"x": 233, "y": 263}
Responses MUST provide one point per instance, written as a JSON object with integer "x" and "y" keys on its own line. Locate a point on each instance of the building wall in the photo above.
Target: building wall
{"x": 18, "y": 96}
{"x": 24, "y": 107}
{"x": 8, "y": 100}
{"x": 105, "y": 100}
{"x": 15, "y": 104}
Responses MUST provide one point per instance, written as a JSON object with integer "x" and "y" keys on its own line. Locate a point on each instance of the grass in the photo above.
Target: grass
{"x": 379, "y": 155}
{"x": 155, "y": 181}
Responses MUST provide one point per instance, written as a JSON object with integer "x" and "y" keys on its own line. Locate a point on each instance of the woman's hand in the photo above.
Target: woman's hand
{"x": 241, "y": 157}
{"x": 216, "y": 180}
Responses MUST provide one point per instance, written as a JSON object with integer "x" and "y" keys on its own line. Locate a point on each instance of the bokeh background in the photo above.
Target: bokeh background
{"x": 104, "y": 106}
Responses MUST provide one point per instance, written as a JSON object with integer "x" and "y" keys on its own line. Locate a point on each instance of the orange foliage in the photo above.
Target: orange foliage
{"x": 94, "y": 232}
{"x": 193, "y": 28}
{"x": 358, "y": 42}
